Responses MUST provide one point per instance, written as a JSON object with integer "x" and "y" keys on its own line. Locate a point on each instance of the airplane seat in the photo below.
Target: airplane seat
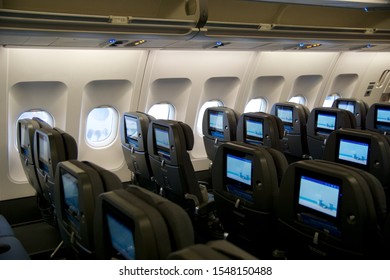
{"x": 134, "y": 131}
{"x": 363, "y": 149}
{"x": 51, "y": 147}
{"x": 77, "y": 187}
{"x": 322, "y": 121}
{"x": 10, "y": 247}
{"x": 135, "y": 223}
{"x": 25, "y": 139}
{"x": 357, "y": 107}
{"x": 294, "y": 117}
{"x": 213, "y": 250}
{"x": 260, "y": 129}
{"x": 329, "y": 210}
{"x": 168, "y": 143}
{"x": 246, "y": 191}
{"x": 378, "y": 118}
{"x": 168, "y": 146}
{"x": 219, "y": 126}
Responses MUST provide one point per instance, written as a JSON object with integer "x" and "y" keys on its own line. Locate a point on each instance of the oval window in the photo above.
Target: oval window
{"x": 165, "y": 111}
{"x": 328, "y": 102}
{"x": 298, "y": 99}
{"x": 256, "y": 105}
{"x": 102, "y": 126}
{"x": 43, "y": 115}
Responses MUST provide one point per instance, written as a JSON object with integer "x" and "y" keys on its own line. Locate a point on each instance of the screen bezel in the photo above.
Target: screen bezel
{"x": 381, "y": 125}
{"x": 126, "y": 221}
{"x": 71, "y": 216}
{"x": 24, "y": 138}
{"x": 163, "y": 151}
{"x": 285, "y": 108}
{"x": 251, "y": 139}
{"x": 323, "y": 130}
{"x": 131, "y": 140}
{"x": 356, "y": 139}
{"x": 213, "y": 130}
{"x": 326, "y": 221}
{"x": 43, "y": 157}
{"x": 245, "y": 190}
{"x": 346, "y": 104}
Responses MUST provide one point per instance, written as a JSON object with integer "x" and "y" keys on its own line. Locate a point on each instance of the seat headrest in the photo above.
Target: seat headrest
{"x": 70, "y": 144}
{"x": 229, "y": 122}
{"x": 188, "y": 135}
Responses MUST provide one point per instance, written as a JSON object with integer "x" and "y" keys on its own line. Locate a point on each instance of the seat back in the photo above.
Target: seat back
{"x": 134, "y": 131}
{"x": 168, "y": 143}
{"x": 363, "y": 149}
{"x": 138, "y": 224}
{"x": 77, "y": 187}
{"x": 51, "y": 147}
{"x": 357, "y": 107}
{"x": 25, "y": 138}
{"x": 378, "y": 118}
{"x": 321, "y": 122}
{"x": 330, "y": 211}
{"x": 213, "y": 250}
{"x": 219, "y": 126}
{"x": 246, "y": 186}
{"x": 294, "y": 118}
{"x": 260, "y": 129}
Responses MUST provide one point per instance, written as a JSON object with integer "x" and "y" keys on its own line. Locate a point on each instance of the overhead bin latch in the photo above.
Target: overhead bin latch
{"x": 265, "y": 27}
{"x": 119, "y": 19}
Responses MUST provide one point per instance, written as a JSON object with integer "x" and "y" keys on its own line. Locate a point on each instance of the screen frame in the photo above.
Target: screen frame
{"x": 285, "y": 108}
{"x": 126, "y": 221}
{"x": 213, "y": 130}
{"x": 43, "y": 161}
{"x": 346, "y": 104}
{"x": 73, "y": 220}
{"x": 323, "y": 130}
{"x": 132, "y": 141}
{"x": 350, "y": 138}
{"x": 380, "y": 125}
{"x": 245, "y": 189}
{"x": 250, "y": 139}
{"x": 163, "y": 152}
{"x": 327, "y": 221}
{"x": 24, "y": 138}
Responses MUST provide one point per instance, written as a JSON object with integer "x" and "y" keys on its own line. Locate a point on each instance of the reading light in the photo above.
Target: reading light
{"x": 218, "y": 44}
{"x": 303, "y": 46}
{"x": 136, "y": 43}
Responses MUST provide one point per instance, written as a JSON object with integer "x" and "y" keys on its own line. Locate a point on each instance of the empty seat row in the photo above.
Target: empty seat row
{"x": 72, "y": 188}
{"x": 100, "y": 220}
{"x": 292, "y": 128}
{"x": 41, "y": 148}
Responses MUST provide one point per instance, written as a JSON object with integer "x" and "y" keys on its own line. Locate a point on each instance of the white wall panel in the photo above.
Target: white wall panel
{"x": 213, "y": 75}
{"x": 35, "y": 69}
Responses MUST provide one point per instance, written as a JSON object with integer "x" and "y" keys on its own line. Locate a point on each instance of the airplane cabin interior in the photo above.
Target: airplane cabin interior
{"x": 194, "y": 129}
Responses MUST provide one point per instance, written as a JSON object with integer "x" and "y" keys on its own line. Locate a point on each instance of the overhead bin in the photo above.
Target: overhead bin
{"x": 195, "y": 23}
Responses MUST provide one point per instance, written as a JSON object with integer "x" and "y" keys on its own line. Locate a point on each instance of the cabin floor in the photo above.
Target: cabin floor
{"x": 39, "y": 239}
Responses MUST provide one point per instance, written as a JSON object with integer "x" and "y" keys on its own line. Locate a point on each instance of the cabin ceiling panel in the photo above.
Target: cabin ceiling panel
{"x": 239, "y": 24}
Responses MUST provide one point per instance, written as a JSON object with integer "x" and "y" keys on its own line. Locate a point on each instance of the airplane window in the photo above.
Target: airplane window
{"x": 102, "y": 126}
{"x": 43, "y": 115}
{"x": 328, "y": 102}
{"x": 256, "y": 105}
{"x": 298, "y": 99}
{"x": 207, "y": 104}
{"x": 164, "y": 111}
